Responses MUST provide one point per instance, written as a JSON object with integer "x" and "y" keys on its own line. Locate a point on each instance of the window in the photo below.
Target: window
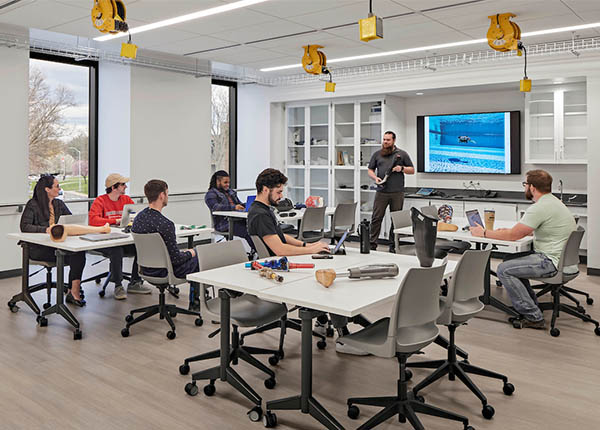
{"x": 223, "y": 129}
{"x": 62, "y": 137}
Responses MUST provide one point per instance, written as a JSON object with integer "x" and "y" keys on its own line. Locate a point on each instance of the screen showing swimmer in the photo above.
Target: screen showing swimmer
{"x": 469, "y": 143}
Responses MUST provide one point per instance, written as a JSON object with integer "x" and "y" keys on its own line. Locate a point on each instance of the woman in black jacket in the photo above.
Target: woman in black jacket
{"x": 40, "y": 213}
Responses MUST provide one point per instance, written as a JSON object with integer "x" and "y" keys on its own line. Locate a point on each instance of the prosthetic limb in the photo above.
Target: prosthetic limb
{"x": 425, "y": 234}
{"x": 59, "y": 232}
{"x": 326, "y": 277}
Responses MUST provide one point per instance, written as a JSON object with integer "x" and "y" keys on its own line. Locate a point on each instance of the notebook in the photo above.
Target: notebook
{"x": 97, "y": 237}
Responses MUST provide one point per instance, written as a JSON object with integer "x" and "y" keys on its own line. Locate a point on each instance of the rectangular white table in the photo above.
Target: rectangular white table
{"x": 70, "y": 245}
{"x": 233, "y": 215}
{"x": 521, "y": 245}
{"x": 348, "y": 297}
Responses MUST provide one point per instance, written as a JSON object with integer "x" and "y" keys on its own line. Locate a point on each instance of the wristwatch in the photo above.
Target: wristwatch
{"x": 401, "y": 169}
{"x": 303, "y": 244}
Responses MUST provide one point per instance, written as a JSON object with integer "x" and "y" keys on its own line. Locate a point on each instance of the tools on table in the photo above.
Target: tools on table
{"x": 266, "y": 272}
{"x": 326, "y": 277}
{"x": 283, "y": 264}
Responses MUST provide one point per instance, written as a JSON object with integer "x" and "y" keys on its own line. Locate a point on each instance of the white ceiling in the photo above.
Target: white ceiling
{"x": 227, "y": 37}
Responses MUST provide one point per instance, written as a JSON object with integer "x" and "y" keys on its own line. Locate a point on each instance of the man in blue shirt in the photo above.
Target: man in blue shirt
{"x": 222, "y": 198}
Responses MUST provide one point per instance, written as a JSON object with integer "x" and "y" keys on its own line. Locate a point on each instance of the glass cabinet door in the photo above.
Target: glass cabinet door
{"x": 319, "y": 165}
{"x": 296, "y": 154}
{"x": 541, "y": 126}
{"x": 574, "y": 147}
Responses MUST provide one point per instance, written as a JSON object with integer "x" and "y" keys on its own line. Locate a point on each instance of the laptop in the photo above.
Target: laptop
{"x": 128, "y": 210}
{"x": 424, "y": 191}
{"x": 249, "y": 201}
{"x": 334, "y": 249}
{"x": 99, "y": 237}
{"x": 474, "y": 218}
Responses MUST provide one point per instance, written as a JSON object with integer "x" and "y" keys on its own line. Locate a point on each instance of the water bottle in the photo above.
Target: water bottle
{"x": 364, "y": 233}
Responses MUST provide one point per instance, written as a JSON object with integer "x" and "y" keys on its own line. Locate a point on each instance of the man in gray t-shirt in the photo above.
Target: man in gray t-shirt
{"x": 387, "y": 168}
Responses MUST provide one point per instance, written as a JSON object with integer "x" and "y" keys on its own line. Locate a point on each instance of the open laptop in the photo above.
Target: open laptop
{"x": 334, "y": 249}
{"x": 474, "y": 218}
{"x": 249, "y": 201}
{"x": 128, "y": 210}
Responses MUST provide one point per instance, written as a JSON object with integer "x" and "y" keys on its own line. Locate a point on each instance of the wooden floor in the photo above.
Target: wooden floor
{"x": 50, "y": 381}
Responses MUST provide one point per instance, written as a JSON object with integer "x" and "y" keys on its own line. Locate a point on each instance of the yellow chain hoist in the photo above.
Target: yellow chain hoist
{"x": 315, "y": 63}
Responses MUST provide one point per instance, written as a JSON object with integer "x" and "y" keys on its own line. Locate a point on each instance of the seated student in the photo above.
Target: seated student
{"x": 222, "y": 198}
{"x": 108, "y": 208}
{"x": 551, "y": 223}
{"x": 151, "y": 220}
{"x": 41, "y": 212}
{"x": 263, "y": 223}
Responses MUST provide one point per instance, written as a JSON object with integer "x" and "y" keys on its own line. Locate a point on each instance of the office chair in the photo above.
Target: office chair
{"x": 556, "y": 285}
{"x": 246, "y": 310}
{"x": 282, "y": 323}
{"x": 344, "y": 218}
{"x": 458, "y": 307}
{"x": 409, "y": 328}
{"x": 153, "y": 254}
{"x": 312, "y": 226}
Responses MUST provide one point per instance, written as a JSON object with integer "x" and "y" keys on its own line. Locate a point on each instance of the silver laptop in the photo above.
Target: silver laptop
{"x": 98, "y": 237}
{"x": 128, "y": 210}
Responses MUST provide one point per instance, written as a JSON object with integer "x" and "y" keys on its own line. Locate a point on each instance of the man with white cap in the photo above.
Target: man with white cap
{"x": 108, "y": 208}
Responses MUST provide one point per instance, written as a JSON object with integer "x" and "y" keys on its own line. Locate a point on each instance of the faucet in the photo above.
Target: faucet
{"x": 560, "y": 189}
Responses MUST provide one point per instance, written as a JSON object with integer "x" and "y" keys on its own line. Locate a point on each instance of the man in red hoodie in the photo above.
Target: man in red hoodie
{"x": 108, "y": 208}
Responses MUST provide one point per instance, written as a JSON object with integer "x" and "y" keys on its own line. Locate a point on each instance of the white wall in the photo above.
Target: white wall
{"x": 593, "y": 204}
{"x": 114, "y": 112}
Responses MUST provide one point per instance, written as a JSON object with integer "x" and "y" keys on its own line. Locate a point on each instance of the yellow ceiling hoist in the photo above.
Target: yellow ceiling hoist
{"x": 109, "y": 16}
{"x": 315, "y": 63}
{"x": 505, "y": 35}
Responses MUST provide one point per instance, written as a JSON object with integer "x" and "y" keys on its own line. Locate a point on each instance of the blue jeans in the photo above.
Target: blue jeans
{"x": 515, "y": 274}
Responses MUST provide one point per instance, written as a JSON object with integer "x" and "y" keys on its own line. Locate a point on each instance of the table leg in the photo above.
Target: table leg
{"x": 487, "y": 298}
{"x": 231, "y": 221}
{"x": 305, "y": 402}
{"x": 60, "y": 308}
{"x": 190, "y": 240}
{"x": 24, "y": 295}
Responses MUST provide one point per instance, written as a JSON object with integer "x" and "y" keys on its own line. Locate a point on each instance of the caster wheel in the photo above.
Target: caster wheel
{"x": 184, "y": 369}
{"x": 555, "y": 332}
{"x": 173, "y": 314}
{"x": 125, "y": 332}
{"x": 581, "y": 309}
{"x": 402, "y": 418}
{"x": 198, "y": 322}
{"x": 255, "y": 414}
{"x": 191, "y": 389}
{"x": 589, "y": 301}
{"x": 101, "y": 293}
{"x": 209, "y": 390}
{"x": 508, "y": 389}
{"x": 273, "y": 360}
{"x": 270, "y": 419}
{"x": 420, "y": 398}
{"x": 488, "y": 412}
{"x": 516, "y": 323}
{"x": 329, "y": 332}
{"x": 176, "y": 290}
{"x": 498, "y": 284}
{"x": 13, "y": 307}
{"x": 597, "y": 331}
{"x": 171, "y": 335}
{"x": 46, "y": 305}
{"x": 77, "y": 335}
{"x": 97, "y": 280}
{"x": 43, "y": 321}
{"x": 408, "y": 374}
{"x": 470, "y": 428}
{"x": 321, "y": 344}
{"x": 129, "y": 318}
{"x": 353, "y": 412}
{"x": 270, "y": 383}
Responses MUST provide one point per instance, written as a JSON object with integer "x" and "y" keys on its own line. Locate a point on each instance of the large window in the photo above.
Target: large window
{"x": 62, "y": 123}
{"x": 223, "y": 129}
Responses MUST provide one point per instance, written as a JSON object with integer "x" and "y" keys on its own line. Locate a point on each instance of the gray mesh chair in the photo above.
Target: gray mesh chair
{"x": 410, "y": 328}
{"x": 344, "y": 218}
{"x": 246, "y": 310}
{"x": 458, "y": 307}
{"x": 556, "y": 284}
{"x": 153, "y": 254}
{"x": 260, "y": 247}
{"x": 312, "y": 226}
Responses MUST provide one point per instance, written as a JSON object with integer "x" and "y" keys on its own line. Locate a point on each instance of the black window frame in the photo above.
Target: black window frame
{"x": 93, "y": 113}
{"x": 232, "y": 128}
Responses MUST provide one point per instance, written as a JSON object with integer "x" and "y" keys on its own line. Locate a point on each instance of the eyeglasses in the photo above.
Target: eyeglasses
{"x": 525, "y": 183}
{"x": 286, "y": 214}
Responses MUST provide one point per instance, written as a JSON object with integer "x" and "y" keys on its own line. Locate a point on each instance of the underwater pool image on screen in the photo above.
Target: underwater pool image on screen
{"x": 468, "y": 143}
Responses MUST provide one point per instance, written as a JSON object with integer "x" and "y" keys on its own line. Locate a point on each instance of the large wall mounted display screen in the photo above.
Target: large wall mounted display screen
{"x": 469, "y": 143}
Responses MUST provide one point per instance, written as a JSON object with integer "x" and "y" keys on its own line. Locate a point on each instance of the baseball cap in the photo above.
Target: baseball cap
{"x": 115, "y": 178}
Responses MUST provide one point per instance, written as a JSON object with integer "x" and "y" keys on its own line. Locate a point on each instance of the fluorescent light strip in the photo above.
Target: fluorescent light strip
{"x": 183, "y": 18}
{"x": 433, "y": 47}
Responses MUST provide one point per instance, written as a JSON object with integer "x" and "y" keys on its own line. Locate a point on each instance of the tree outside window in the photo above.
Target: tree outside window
{"x": 219, "y": 143}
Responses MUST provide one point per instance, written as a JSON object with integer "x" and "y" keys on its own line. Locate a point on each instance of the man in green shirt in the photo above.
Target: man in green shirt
{"x": 551, "y": 223}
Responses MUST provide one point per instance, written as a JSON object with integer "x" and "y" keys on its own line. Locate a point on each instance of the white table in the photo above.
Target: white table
{"x": 70, "y": 245}
{"x": 520, "y": 245}
{"x": 233, "y": 215}
{"x": 345, "y": 297}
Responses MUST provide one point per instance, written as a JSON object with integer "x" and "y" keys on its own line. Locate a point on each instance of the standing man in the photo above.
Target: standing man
{"x": 551, "y": 224}
{"x": 108, "y": 208}
{"x": 387, "y": 168}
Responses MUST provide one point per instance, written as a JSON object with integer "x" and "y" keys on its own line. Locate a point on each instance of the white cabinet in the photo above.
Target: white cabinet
{"x": 556, "y": 125}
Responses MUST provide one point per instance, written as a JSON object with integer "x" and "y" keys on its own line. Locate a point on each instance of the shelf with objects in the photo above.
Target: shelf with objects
{"x": 296, "y": 153}
{"x": 319, "y": 165}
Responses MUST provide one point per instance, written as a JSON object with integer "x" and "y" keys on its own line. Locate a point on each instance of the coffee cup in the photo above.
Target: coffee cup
{"x": 489, "y": 216}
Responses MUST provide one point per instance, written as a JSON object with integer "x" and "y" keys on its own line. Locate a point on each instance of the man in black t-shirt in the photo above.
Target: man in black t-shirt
{"x": 387, "y": 168}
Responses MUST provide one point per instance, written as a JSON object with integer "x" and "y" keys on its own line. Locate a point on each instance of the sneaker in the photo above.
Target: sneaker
{"x": 347, "y": 349}
{"x": 320, "y": 328}
{"x": 138, "y": 287}
{"x": 373, "y": 247}
{"x": 537, "y": 325}
{"x": 120, "y": 293}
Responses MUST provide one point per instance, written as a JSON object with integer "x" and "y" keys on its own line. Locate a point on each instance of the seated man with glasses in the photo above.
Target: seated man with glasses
{"x": 551, "y": 224}
{"x": 108, "y": 208}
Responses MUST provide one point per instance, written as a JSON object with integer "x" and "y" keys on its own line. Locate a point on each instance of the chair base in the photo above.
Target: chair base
{"x": 557, "y": 307}
{"x": 405, "y": 404}
{"x": 453, "y": 368}
{"x": 107, "y": 275}
{"x": 163, "y": 310}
